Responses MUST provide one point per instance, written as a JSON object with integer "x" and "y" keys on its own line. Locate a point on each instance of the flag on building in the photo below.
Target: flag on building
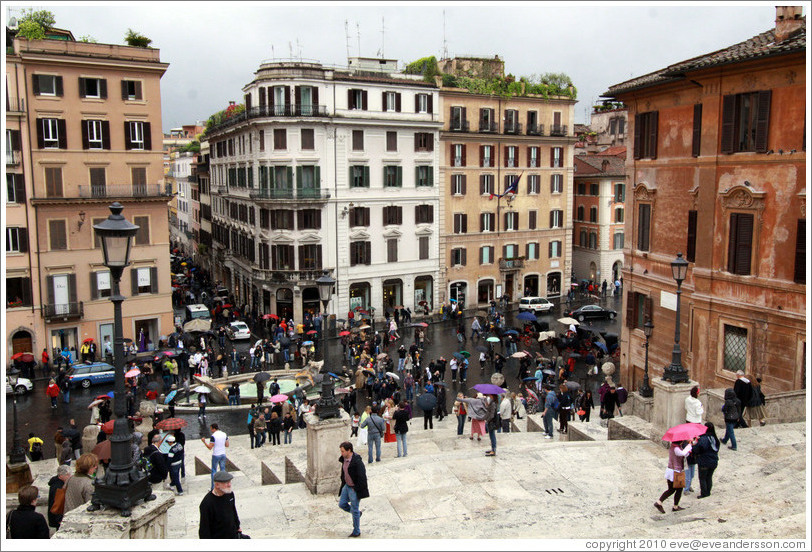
{"x": 512, "y": 188}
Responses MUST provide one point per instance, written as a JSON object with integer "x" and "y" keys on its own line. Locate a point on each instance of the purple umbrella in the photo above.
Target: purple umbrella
{"x": 489, "y": 389}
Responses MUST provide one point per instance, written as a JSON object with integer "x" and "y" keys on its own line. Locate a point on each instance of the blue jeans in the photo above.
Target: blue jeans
{"x": 374, "y": 440}
{"x": 409, "y": 393}
{"x": 729, "y": 434}
{"x": 348, "y": 501}
{"x": 689, "y": 474}
{"x": 401, "y": 363}
{"x": 218, "y": 462}
{"x": 288, "y": 437}
{"x": 492, "y": 435}
{"x": 401, "y": 439}
{"x": 260, "y": 438}
{"x": 174, "y": 476}
{"x": 461, "y": 423}
{"x": 548, "y": 422}
{"x": 66, "y": 397}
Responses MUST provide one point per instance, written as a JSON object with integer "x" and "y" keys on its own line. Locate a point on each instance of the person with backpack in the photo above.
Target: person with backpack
{"x": 731, "y": 410}
{"x": 158, "y": 468}
{"x": 610, "y": 402}
{"x": 744, "y": 392}
{"x": 34, "y": 447}
{"x": 622, "y": 395}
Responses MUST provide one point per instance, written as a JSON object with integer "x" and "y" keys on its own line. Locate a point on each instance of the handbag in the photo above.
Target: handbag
{"x": 582, "y": 412}
{"x": 58, "y": 507}
{"x": 679, "y": 480}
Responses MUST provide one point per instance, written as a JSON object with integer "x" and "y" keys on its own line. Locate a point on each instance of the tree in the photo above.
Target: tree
{"x": 133, "y": 38}
{"x": 34, "y": 25}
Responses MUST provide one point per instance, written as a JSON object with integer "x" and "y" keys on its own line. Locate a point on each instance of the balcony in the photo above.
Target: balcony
{"x": 289, "y": 194}
{"x": 535, "y": 129}
{"x": 222, "y": 189}
{"x": 15, "y": 105}
{"x": 63, "y": 311}
{"x": 513, "y": 128}
{"x": 489, "y": 127}
{"x": 125, "y": 190}
{"x": 287, "y": 110}
{"x": 272, "y": 276}
{"x": 13, "y": 158}
{"x": 511, "y": 264}
{"x": 558, "y": 130}
{"x": 459, "y": 126}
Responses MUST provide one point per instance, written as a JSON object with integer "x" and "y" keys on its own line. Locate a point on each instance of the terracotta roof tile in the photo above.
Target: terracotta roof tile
{"x": 593, "y": 164}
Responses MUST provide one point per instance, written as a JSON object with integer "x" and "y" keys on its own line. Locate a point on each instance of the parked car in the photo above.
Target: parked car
{"x": 238, "y": 330}
{"x": 591, "y": 312}
{"x": 23, "y": 386}
{"x": 535, "y": 304}
{"x": 91, "y": 374}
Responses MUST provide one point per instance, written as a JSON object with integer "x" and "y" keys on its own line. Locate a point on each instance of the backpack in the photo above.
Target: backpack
{"x": 36, "y": 447}
{"x": 622, "y": 395}
{"x": 555, "y": 404}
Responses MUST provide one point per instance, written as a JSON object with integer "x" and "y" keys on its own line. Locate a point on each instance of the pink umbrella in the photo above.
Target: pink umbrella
{"x": 684, "y": 432}
{"x": 132, "y": 373}
{"x": 279, "y": 398}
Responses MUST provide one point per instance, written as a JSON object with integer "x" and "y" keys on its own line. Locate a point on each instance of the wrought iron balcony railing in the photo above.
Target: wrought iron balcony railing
{"x": 125, "y": 190}
{"x": 558, "y": 130}
{"x": 13, "y": 158}
{"x": 511, "y": 264}
{"x": 287, "y": 110}
{"x": 513, "y": 128}
{"x": 63, "y": 310}
{"x": 282, "y": 276}
{"x": 493, "y": 126}
{"x": 535, "y": 130}
{"x": 289, "y": 193}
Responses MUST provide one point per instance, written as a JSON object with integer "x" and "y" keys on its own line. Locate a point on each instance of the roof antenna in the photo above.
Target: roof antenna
{"x": 347, "y": 35}
{"x": 299, "y": 49}
{"x": 445, "y": 42}
{"x": 383, "y": 37}
{"x": 273, "y": 56}
{"x": 290, "y": 49}
{"x": 358, "y": 30}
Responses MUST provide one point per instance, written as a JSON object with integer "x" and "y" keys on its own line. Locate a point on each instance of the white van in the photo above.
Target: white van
{"x": 198, "y": 311}
{"x": 535, "y": 304}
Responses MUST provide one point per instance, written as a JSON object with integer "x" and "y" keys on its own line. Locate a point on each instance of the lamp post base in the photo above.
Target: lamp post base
{"x": 675, "y": 373}
{"x": 123, "y": 497}
{"x": 645, "y": 389}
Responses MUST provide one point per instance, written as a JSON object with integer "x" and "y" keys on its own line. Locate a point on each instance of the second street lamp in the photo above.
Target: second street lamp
{"x": 676, "y": 372}
{"x": 327, "y": 405}
{"x": 645, "y": 389}
{"x": 17, "y": 454}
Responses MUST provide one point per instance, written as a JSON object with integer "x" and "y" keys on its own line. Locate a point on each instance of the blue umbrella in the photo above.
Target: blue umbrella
{"x": 600, "y": 346}
{"x": 170, "y": 396}
{"x": 511, "y": 332}
{"x": 528, "y": 316}
{"x": 458, "y": 356}
{"x": 336, "y": 376}
{"x": 307, "y": 343}
{"x": 531, "y": 378}
{"x": 110, "y": 394}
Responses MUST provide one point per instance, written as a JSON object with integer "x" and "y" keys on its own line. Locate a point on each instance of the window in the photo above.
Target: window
{"x": 581, "y": 188}
{"x": 556, "y": 218}
{"x": 391, "y": 140}
{"x": 95, "y": 135}
{"x": 511, "y": 220}
{"x": 593, "y": 214}
{"x": 639, "y": 308}
{"x": 424, "y": 176}
{"x": 556, "y": 183}
{"x": 359, "y": 176}
{"x": 487, "y": 222}
{"x": 745, "y": 121}
{"x": 533, "y": 156}
{"x": 137, "y": 136}
{"x": 554, "y": 249}
{"x": 280, "y": 139}
{"x": 139, "y": 180}
{"x": 357, "y": 140}
{"x": 57, "y": 233}
{"x": 486, "y": 254}
{"x": 690, "y": 248}
{"x": 620, "y": 192}
{"x": 98, "y": 182}
{"x": 144, "y": 280}
{"x": 360, "y": 253}
{"x": 392, "y": 215}
{"x": 487, "y": 122}
{"x": 423, "y": 141}
{"x": 580, "y": 213}
{"x": 392, "y": 250}
{"x": 307, "y": 99}
{"x": 486, "y": 184}
{"x": 556, "y": 157}
{"x": 697, "y": 134}
{"x": 282, "y": 178}
{"x": 532, "y": 251}
{"x": 356, "y": 99}
{"x": 583, "y": 238}
{"x": 391, "y": 101}
{"x": 310, "y": 257}
{"x": 533, "y": 184}
{"x": 511, "y": 155}
{"x": 643, "y": 226}
{"x": 282, "y": 257}
{"x": 359, "y": 216}
{"x": 52, "y": 133}
{"x": 458, "y": 119}
{"x": 100, "y": 284}
{"x": 532, "y": 220}
{"x": 458, "y": 256}
{"x": 613, "y": 126}
{"x": 281, "y": 219}
{"x": 486, "y": 156}
{"x": 510, "y": 251}
{"x": 281, "y": 100}
{"x": 422, "y": 103}
{"x": 308, "y": 180}
{"x": 800, "y": 253}
{"x": 15, "y": 188}
{"x": 16, "y": 240}
{"x": 457, "y": 155}
{"x": 645, "y": 135}
{"x": 392, "y": 176}
{"x": 460, "y": 223}
{"x": 262, "y": 140}
{"x": 594, "y": 190}
{"x": 92, "y": 88}
{"x": 735, "y": 351}
{"x": 458, "y": 182}
{"x": 740, "y": 243}
{"x": 47, "y": 85}
{"x": 308, "y": 219}
{"x": 593, "y": 240}
{"x": 512, "y": 121}
{"x": 423, "y": 214}
{"x": 131, "y": 90}
{"x": 142, "y": 236}
{"x": 423, "y": 248}
{"x": 308, "y": 140}
{"x": 18, "y": 292}
{"x": 617, "y": 240}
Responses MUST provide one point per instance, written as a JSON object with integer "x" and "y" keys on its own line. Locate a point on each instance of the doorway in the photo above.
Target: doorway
{"x": 510, "y": 284}
{"x": 22, "y": 342}
{"x": 63, "y": 337}
{"x": 531, "y": 286}
{"x": 146, "y": 334}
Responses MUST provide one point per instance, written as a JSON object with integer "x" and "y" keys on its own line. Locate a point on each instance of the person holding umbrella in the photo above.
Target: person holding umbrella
{"x": 682, "y": 438}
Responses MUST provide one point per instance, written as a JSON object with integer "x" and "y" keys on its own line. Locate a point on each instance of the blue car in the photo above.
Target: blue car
{"x": 92, "y": 374}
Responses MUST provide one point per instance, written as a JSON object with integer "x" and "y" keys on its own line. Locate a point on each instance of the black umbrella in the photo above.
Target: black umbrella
{"x": 152, "y": 386}
{"x": 260, "y": 377}
{"x": 482, "y": 348}
{"x": 427, "y": 401}
{"x": 285, "y": 340}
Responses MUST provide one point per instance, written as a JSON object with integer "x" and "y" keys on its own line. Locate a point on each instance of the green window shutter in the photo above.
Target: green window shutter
{"x": 290, "y": 176}
{"x": 400, "y": 176}
{"x": 317, "y": 177}
{"x": 431, "y": 176}
{"x": 366, "y": 176}
{"x": 299, "y": 177}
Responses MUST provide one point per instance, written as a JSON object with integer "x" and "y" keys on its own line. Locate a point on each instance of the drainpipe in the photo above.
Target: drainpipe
{"x": 335, "y": 203}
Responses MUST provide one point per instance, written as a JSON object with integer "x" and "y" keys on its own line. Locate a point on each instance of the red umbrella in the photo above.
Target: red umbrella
{"x": 102, "y": 450}
{"x": 684, "y": 432}
{"x": 102, "y": 397}
{"x": 16, "y": 356}
{"x": 228, "y": 306}
{"x": 107, "y": 427}
{"x": 132, "y": 373}
{"x": 27, "y": 357}
{"x": 88, "y": 340}
{"x": 311, "y": 332}
{"x": 270, "y": 317}
{"x": 171, "y": 423}
{"x": 279, "y": 398}
{"x": 344, "y": 333}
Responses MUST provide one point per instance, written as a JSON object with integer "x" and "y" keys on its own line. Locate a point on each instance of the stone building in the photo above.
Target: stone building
{"x": 718, "y": 173}
{"x": 82, "y": 119}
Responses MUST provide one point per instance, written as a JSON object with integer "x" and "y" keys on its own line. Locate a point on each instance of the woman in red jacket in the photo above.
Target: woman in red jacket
{"x": 52, "y": 391}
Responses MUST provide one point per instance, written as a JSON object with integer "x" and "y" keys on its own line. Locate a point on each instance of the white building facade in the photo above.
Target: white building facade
{"x": 328, "y": 169}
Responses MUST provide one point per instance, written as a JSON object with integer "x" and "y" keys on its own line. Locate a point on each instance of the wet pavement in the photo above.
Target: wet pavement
{"x": 35, "y": 414}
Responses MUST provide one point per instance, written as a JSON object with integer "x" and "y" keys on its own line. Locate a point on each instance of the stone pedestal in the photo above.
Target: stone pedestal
{"x": 669, "y": 403}
{"x": 148, "y": 521}
{"x": 323, "y": 440}
{"x": 18, "y": 476}
{"x": 639, "y": 406}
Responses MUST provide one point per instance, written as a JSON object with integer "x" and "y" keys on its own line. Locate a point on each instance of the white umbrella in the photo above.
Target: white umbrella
{"x": 201, "y": 389}
{"x": 394, "y": 376}
{"x": 567, "y": 321}
{"x": 543, "y": 336}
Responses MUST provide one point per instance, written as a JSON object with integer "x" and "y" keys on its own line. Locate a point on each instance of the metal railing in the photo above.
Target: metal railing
{"x": 459, "y": 126}
{"x": 513, "y": 128}
{"x": 493, "y": 126}
{"x": 64, "y": 310}
{"x": 511, "y": 264}
{"x": 13, "y": 157}
{"x": 15, "y": 105}
{"x": 558, "y": 130}
{"x": 287, "y": 110}
{"x": 125, "y": 190}
{"x": 535, "y": 129}
{"x": 289, "y": 193}
{"x": 280, "y": 276}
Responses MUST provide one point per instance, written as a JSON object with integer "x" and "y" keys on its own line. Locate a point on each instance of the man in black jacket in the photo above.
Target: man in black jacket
{"x": 58, "y": 481}
{"x": 744, "y": 392}
{"x": 160, "y": 469}
{"x": 218, "y": 511}
{"x": 25, "y": 522}
{"x": 353, "y": 485}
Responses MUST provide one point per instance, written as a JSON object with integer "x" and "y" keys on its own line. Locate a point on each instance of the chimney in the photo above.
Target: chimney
{"x": 787, "y": 20}
{"x": 605, "y": 165}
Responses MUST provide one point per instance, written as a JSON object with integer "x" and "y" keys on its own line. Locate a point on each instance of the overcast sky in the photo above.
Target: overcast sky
{"x": 213, "y": 48}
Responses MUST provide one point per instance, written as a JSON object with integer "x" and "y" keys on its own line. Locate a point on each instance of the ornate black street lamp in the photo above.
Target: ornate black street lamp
{"x": 327, "y": 405}
{"x": 17, "y": 454}
{"x": 123, "y": 484}
{"x": 676, "y": 372}
{"x": 645, "y": 389}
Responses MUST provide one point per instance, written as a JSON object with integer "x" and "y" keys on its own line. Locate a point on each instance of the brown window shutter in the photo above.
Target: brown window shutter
{"x": 481, "y": 184}
{"x": 50, "y": 285}
{"x": 482, "y": 118}
{"x": 637, "y": 144}
{"x": 350, "y": 99}
{"x": 63, "y": 133}
{"x": 297, "y": 95}
{"x": 261, "y": 98}
{"x": 148, "y": 136}
{"x": 697, "y": 137}
{"x": 652, "y": 134}
{"x": 649, "y": 309}
{"x": 364, "y": 97}
{"x": 430, "y": 103}
{"x": 464, "y": 118}
{"x": 507, "y": 148}
{"x": 124, "y": 90}
{"x": 85, "y": 132}
{"x": 464, "y": 223}
{"x": 481, "y": 156}
{"x": 417, "y": 103}
{"x": 19, "y": 188}
{"x": 464, "y": 183}
{"x": 800, "y": 253}
{"x": 690, "y": 249}
{"x": 464, "y": 150}
{"x": 731, "y": 243}
{"x": 72, "y": 288}
{"x": 630, "y": 310}
{"x": 248, "y": 102}
{"x": 128, "y": 145}
{"x": 138, "y": 95}
{"x": 15, "y": 140}
{"x": 106, "y": 135}
{"x": 397, "y": 102}
{"x": 744, "y": 243}
{"x": 287, "y": 96}
{"x": 728, "y": 123}
{"x": 59, "y": 90}
{"x": 134, "y": 280}
{"x": 464, "y": 256}
{"x": 552, "y": 157}
{"x": 481, "y": 251}
{"x": 301, "y": 257}
{"x": 103, "y": 88}
{"x": 763, "y": 120}
{"x": 35, "y": 84}
{"x": 82, "y": 87}
{"x": 94, "y": 290}
{"x": 40, "y": 138}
